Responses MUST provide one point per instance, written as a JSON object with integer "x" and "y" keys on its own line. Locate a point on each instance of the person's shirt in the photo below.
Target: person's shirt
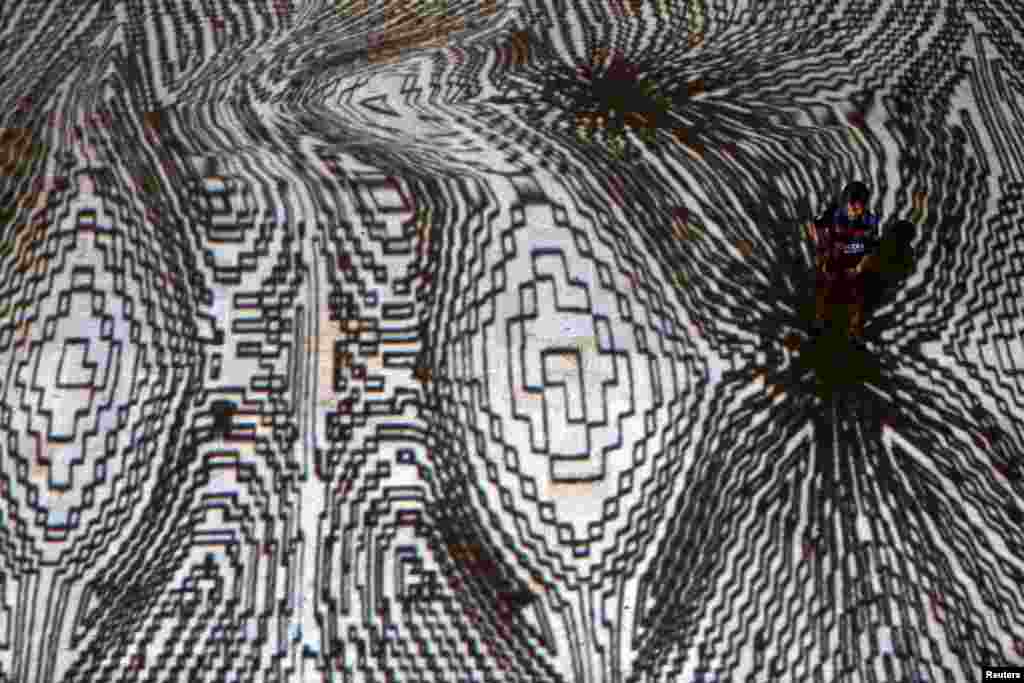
{"x": 848, "y": 240}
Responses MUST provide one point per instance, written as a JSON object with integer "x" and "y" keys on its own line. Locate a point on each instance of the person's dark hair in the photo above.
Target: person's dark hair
{"x": 857, "y": 192}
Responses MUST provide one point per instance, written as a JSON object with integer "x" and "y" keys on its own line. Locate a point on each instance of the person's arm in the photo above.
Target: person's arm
{"x": 871, "y": 260}
{"x": 811, "y": 230}
{"x": 823, "y": 231}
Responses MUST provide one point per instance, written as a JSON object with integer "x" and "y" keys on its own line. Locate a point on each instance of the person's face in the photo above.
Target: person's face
{"x": 855, "y": 209}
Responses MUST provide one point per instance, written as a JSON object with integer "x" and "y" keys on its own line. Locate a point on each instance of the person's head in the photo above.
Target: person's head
{"x": 857, "y": 196}
{"x": 903, "y": 232}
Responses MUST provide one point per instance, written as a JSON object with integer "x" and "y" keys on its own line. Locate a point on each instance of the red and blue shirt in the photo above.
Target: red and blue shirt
{"x": 847, "y": 240}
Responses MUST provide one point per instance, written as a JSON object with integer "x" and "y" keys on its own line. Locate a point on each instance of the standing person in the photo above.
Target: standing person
{"x": 845, "y": 239}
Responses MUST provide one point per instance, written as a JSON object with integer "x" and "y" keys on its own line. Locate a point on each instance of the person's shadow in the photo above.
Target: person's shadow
{"x": 896, "y": 263}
